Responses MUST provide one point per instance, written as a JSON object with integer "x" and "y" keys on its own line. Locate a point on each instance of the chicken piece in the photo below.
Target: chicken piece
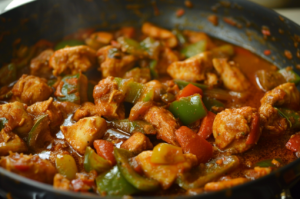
{"x": 216, "y": 186}
{"x": 141, "y": 75}
{"x": 72, "y": 60}
{"x": 194, "y": 37}
{"x": 11, "y": 142}
{"x": 139, "y": 109}
{"x": 99, "y": 39}
{"x": 192, "y": 69}
{"x": 82, "y": 134}
{"x": 167, "y": 57}
{"x": 211, "y": 79}
{"x": 168, "y": 38}
{"x": 164, "y": 174}
{"x": 85, "y": 182}
{"x": 31, "y": 89}
{"x": 137, "y": 143}
{"x": 39, "y": 66}
{"x": 164, "y": 122}
{"x": 231, "y": 76}
{"x": 232, "y": 127}
{"x": 128, "y": 32}
{"x": 284, "y": 95}
{"x": 29, "y": 166}
{"x": 87, "y": 109}
{"x": 257, "y": 172}
{"x": 61, "y": 182}
{"x": 108, "y": 99}
{"x": 66, "y": 107}
{"x": 18, "y": 120}
{"x": 47, "y": 107}
{"x": 114, "y": 62}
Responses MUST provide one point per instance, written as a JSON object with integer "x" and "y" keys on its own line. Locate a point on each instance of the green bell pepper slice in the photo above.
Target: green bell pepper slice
{"x": 224, "y": 49}
{"x": 139, "y": 182}
{"x": 180, "y": 37}
{"x": 74, "y": 89}
{"x": 290, "y": 75}
{"x": 181, "y": 84}
{"x": 293, "y": 117}
{"x": 92, "y": 161}
{"x": 3, "y": 121}
{"x": 199, "y": 177}
{"x": 70, "y": 43}
{"x": 267, "y": 163}
{"x": 132, "y": 47}
{"x": 152, "y": 47}
{"x": 112, "y": 183}
{"x": 66, "y": 166}
{"x": 209, "y": 103}
{"x": 188, "y": 109}
{"x": 133, "y": 126}
{"x": 153, "y": 70}
{"x": 194, "y": 49}
{"x": 8, "y": 74}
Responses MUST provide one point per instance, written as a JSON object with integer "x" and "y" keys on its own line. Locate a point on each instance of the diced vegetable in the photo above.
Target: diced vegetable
{"x": 164, "y": 153}
{"x": 206, "y": 127}
{"x": 153, "y": 70}
{"x": 211, "y": 172}
{"x": 290, "y": 75}
{"x": 132, "y": 47}
{"x": 92, "y": 161}
{"x": 8, "y": 74}
{"x": 180, "y": 37}
{"x": 66, "y": 166}
{"x": 190, "y": 142}
{"x": 294, "y": 143}
{"x": 152, "y": 46}
{"x": 267, "y": 163}
{"x": 189, "y": 90}
{"x": 209, "y": 103}
{"x": 139, "y": 182}
{"x": 254, "y": 133}
{"x": 181, "y": 84}
{"x": 112, "y": 183}
{"x": 292, "y": 117}
{"x": 188, "y": 109}
{"x": 73, "y": 88}
{"x": 194, "y": 49}
{"x": 39, "y": 133}
{"x": 134, "y": 126}
{"x": 3, "y": 121}
{"x": 105, "y": 149}
{"x": 224, "y": 49}
{"x": 69, "y": 43}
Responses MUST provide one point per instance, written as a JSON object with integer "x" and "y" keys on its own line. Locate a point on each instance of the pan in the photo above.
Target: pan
{"x": 240, "y": 23}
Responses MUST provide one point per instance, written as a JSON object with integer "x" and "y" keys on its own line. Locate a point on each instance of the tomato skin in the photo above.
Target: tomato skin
{"x": 254, "y": 130}
{"x": 190, "y": 142}
{"x": 189, "y": 90}
{"x": 105, "y": 149}
{"x": 206, "y": 127}
{"x": 294, "y": 143}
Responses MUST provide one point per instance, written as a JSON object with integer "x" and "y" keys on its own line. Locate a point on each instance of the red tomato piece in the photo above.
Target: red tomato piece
{"x": 254, "y": 134}
{"x": 190, "y": 142}
{"x": 294, "y": 143}
{"x": 106, "y": 150}
{"x": 189, "y": 90}
{"x": 206, "y": 127}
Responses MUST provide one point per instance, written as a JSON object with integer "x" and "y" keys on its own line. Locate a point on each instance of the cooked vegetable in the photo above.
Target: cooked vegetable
{"x": 66, "y": 166}
{"x": 290, "y": 75}
{"x": 164, "y": 153}
{"x": 181, "y": 84}
{"x": 207, "y": 125}
{"x": 267, "y": 163}
{"x": 294, "y": 143}
{"x": 105, "y": 149}
{"x": 189, "y": 90}
{"x": 194, "y": 49}
{"x": 69, "y": 43}
{"x": 92, "y": 161}
{"x": 134, "y": 126}
{"x": 8, "y": 74}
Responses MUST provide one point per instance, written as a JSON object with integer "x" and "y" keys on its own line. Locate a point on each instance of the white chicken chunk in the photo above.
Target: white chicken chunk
{"x": 137, "y": 143}
{"x": 82, "y": 134}
{"x": 11, "y": 142}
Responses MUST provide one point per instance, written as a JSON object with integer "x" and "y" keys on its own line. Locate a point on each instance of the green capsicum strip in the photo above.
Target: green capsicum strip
{"x": 181, "y": 84}
{"x": 179, "y": 35}
{"x": 209, "y": 103}
{"x": 112, "y": 183}
{"x": 290, "y": 75}
{"x": 92, "y": 161}
{"x": 74, "y": 89}
{"x": 224, "y": 49}
{"x": 134, "y": 126}
{"x": 132, "y": 47}
{"x": 188, "y": 109}
{"x": 70, "y": 43}
{"x": 194, "y": 49}
{"x": 152, "y": 47}
{"x": 3, "y": 121}
{"x": 293, "y": 117}
{"x": 267, "y": 163}
{"x": 8, "y": 74}
{"x": 153, "y": 71}
{"x": 139, "y": 182}
{"x": 192, "y": 180}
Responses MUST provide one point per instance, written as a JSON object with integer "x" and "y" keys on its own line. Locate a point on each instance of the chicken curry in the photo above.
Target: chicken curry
{"x": 145, "y": 112}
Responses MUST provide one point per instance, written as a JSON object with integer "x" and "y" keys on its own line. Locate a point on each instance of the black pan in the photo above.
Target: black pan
{"x": 52, "y": 19}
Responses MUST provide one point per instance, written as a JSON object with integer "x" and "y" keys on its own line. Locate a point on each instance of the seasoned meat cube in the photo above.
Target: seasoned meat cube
{"x": 216, "y": 186}
{"x": 11, "y": 142}
{"x": 47, "y": 107}
{"x": 141, "y": 75}
{"x": 72, "y": 60}
{"x": 86, "y": 110}
{"x": 66, "y": 108}
{"x": 82, "y": 134}
{"x": 85, "y": 182}
{"x": 167, "y": 57}
{"x": 31, "y": 89}
{"x": 109, "y": 99}
{"x": 285, "y": 95}
{"x": 113, "y": 62}
{"x": 211, "y": 79}
{"x": 194, "y": 37}
{"x": 39, "y": 66}
{"x": 137, "y": 143}
{"x": 257, "y": 172}
{"x": 99, "y": 39}
{"x": 192, "y": 69}
{"x": 232, "y": 127}
{"x": 232, "y": 76}
{"x": 164, "y": 122}
{"x": 30, "y": 166}
{"x": 168, "y": 38}
{"x": 61, "y": 182}
{"x": 18, "y": 120}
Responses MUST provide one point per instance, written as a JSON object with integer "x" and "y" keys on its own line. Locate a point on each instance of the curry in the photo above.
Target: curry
{"x": 145, "y": 112}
